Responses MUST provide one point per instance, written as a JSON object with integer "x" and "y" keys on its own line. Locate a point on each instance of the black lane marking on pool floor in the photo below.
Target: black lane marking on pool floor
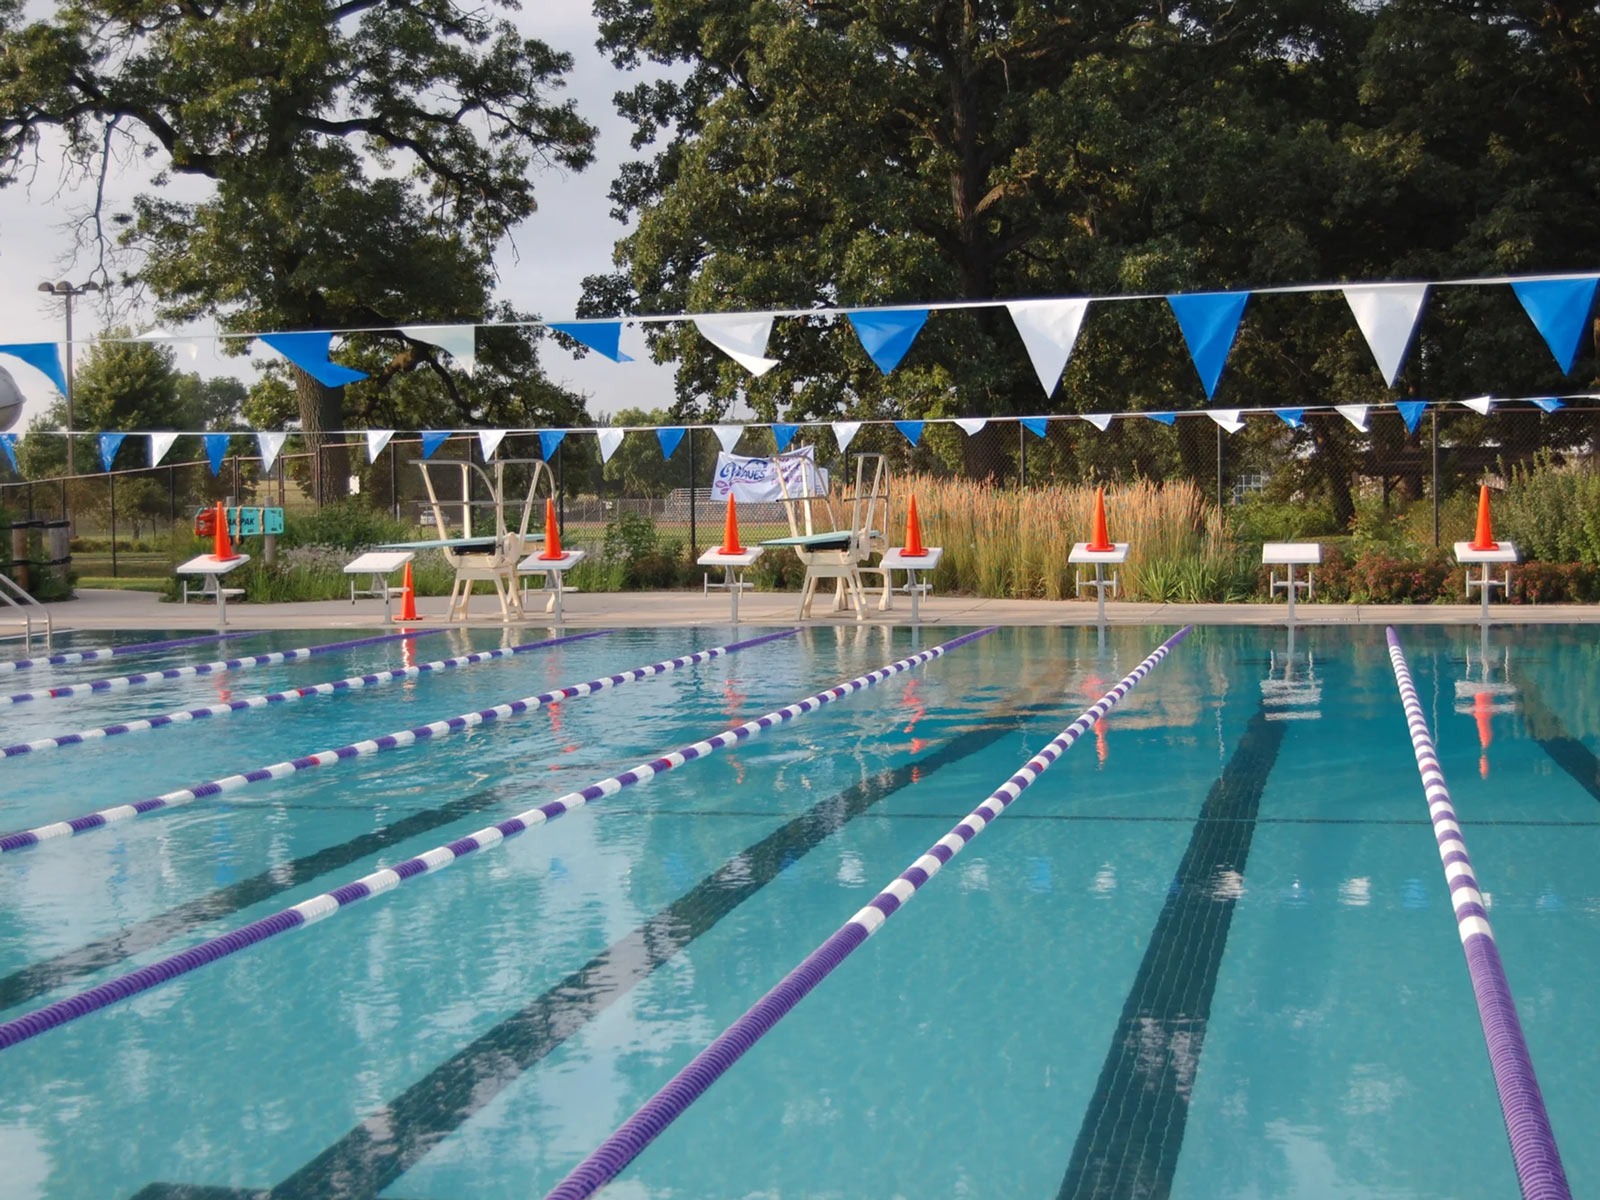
{"x": 387, "y": 1143}
{"x": 33, "y": 981}
{"x": 1132, "y": 1132}
{"x": 1546, "y": 727}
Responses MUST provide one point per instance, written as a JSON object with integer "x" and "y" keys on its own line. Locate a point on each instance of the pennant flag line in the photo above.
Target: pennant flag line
{"x": 110, "y": 443}
{"x": 216, "y": 450}
{"x": 669, "y": 438}
{"x": 460, "y": 342}
{"x": 1387, "y": 315}
{"x": 1559, "y": 309}
{"x": 727, "y": 436}
{"x": 1228, "y": 418}
{"x": 157, "y": 334}
{"x": 742, "y": 338}
{"x": 1209, "y": 321}
{"x": 44, "y": 357}
{"x": 1101, "y": 421}
{"x": 886, "y": 336}
{"x": 8, "y": 443}
{"x": 309, "y": 352}
{"x": 1292, "y": 417}
{"x": 1410, "y": 412}
{"x": 549, "y": 440}
{"x": 432, "y": 439}
{"x": 1166, "y": 418}
{"x": 911, "y": 429}
{"x": 489, "y": 441}
{"x": 845, "y": 431}
{"x": 610, "y": 439}
{"x": 1034, "y": 425}
{"x": 270, "y": 444}
{"x": 603, "y": 337}
{"x": 783, "y": 435}
{"x": 160, "y": 444}
{"x": 1356, "y": 414}
{"x": 377, "y": 439}
{"x": 1049, "y": 330}
{"x": 971, "y": 425}
{"x": 1480, "y": 404}
{"x": 1549, "y": 403}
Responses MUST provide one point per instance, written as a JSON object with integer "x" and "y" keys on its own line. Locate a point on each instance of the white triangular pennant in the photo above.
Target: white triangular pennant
{"x": 377, "y": 439}
{"x": 1480, "y": 404}
{"x": 270, "y": 444}
{"x": 1228, "y": 418}
{"x": 971, "y": 425}
{"x": 490, "y": 440}
{"x": 1387, "y": 314}
{"x": 460, "y": 342}
{"x": 160, "y": 443}
{"x": 728, "y": 436}
{"x": 1049, "y": 330}
{"x": 845, "y": 431}
{"x": 742, "y": 338}
{"x": 157, "y": 334}
{"x": 1101, "y": 421}
{"x": 1356, "y": 414}
{"x": 610, "y": 439}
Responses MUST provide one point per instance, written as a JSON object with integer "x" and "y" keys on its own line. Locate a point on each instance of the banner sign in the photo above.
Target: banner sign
{"x": 755, "y": 480}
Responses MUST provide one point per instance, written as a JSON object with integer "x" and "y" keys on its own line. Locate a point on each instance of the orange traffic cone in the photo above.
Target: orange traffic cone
{"x": 221, "y": 547}
{"x": 1483, "y": 539}
{"x": 913, "y": 547}
{"x": 408, "y": 600}
{"x": 552, "y": 534}
{"x": 730, "y": 531}
{"x": 1098, "y": 540}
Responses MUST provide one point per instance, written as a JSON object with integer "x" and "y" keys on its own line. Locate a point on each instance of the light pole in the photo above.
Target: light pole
{"x": 67, "y": 292}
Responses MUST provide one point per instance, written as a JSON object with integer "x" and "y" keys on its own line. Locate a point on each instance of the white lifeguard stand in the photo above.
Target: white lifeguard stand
{"x": 837, "y": 552}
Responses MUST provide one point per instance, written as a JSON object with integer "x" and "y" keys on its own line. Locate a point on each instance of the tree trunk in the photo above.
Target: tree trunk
{"x": 321, "y": 410}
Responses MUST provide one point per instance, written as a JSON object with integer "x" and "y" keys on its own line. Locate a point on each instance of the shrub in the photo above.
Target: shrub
{"x": 1552, "y": 511}
{"x": 348, "y": 525}
{"x": 1554, "y": 583}
{"x": 1380, "y": 577}
{"x": 632, "y": 536}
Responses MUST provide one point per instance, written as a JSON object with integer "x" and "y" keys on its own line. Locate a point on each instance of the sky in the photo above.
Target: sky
{"x": 541, "y": 267}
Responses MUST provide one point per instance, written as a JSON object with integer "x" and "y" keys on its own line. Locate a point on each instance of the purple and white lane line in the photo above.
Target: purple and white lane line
{"x": 308, "y": 912}
{"x": 1533, "y": 1145}
{"x": 12, "y": 842}
{"x": 351, "y": 684}
{"x": 210, "y": 668}
{"x": 636, "y": 1133}
{"x": 102, "y": 652}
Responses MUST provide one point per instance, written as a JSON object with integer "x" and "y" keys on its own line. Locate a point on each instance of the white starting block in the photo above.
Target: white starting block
{"x": 1504, "y": 552}
{"x": 733, "y": 566}
{"x": 379, "y": 564}
{"x": 213, "y": 569}
{"x": 1292, "y": 555}
{"x": 895, "y": 559}
{"x": 553, "y": 570}
{"x": 1083, "y": 556}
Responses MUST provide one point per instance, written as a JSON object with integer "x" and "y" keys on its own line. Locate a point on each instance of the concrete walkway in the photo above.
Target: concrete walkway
{"x": 99, "y": 610}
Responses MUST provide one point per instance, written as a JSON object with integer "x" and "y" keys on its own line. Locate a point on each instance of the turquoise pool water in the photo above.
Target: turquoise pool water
{"x": 1037, "y": 1022}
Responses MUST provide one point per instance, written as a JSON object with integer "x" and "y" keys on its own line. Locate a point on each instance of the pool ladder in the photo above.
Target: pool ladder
{"x": 13, "y": 594}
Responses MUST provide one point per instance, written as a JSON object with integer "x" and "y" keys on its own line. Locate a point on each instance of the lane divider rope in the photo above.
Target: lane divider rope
{"x": 351, "y": 684}
{"x": 210, "y": 668}
{"x": 635, "y": 1134}
{"x": 319, "y": 908}
{"x": 1533, "y": 1144}
{"x": 13, "y": 842}
{"x": 100, "y": 652}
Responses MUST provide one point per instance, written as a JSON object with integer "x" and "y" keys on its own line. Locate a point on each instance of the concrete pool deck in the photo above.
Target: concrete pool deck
{"x": 106, "y": 610}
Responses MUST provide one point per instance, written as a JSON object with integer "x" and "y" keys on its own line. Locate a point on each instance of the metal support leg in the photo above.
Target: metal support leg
{"x": 1100, "y": 593}
{"x": 1291, "y": 593}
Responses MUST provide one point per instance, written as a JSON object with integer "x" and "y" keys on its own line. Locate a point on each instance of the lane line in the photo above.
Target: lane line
{"x": 97, "y": 653}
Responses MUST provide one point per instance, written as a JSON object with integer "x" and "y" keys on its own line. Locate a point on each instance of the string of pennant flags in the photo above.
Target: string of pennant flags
{"x": 270, "y": 444}
{"x": 1386, "y": 313}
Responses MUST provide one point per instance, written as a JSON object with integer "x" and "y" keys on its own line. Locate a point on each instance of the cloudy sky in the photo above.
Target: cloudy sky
{"x": 541, "y": 268}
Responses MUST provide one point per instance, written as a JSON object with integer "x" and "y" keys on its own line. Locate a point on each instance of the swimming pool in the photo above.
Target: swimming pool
{"x": 1038, "y": 1023}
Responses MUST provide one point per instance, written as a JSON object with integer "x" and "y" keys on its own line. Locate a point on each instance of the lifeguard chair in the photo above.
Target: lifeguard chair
{"x": 838, "y": 551}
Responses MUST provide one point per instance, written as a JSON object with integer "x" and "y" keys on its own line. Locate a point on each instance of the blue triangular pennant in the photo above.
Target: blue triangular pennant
{"x": 1034, "y": 425}
{"x": 1209, "y": 321}
{"x": 1548, "y": 403}
{"x": 603, "y": 337}
{"x": 8, "y": 443}
{"x": 44, "y": 357}
{"x": 309, "y": 352}
{"x": 216, "y": 450}
{"x": 887, "y": 335}
{"x": 1292, "y": 417}
{"x": 1166, "y": 418}
{"x": 110, "y": 443}
{"x": 1410, "y": 412}
{"x": 549, "y": 439}
{"x": 912, "y": 430}
{"x": 669, "y": 437}
{"x": 1559, "y": 309}
{"x": 783, "y": 435}
{"x": 432, "y": 439}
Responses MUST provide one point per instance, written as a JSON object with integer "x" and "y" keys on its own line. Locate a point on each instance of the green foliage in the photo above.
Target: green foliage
{"x": 638, "y": 465}
{"x": 1551, "y": 510}
{"x": 347, "y": 525}
{"x": 1259, "y": 519}
{"x": 630, "y": 537}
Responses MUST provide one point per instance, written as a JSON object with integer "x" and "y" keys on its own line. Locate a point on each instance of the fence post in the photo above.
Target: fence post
{"x": 561, "y": 489}
{"x": 238, "y": 498}
{"x": 1022, "y": 456}
{"x": 694, "y": 538}
{"x": 1433, "y": 420}
{"x": 111, "y": 482}
{"x": 394, "y": 481}
{"x": 1219, "y": 468}
{"x": 30, "y": 501}
{"x": 172, "y": 494}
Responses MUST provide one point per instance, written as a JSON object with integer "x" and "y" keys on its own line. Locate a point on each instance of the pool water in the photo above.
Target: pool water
{"x": 1209, "y": 954}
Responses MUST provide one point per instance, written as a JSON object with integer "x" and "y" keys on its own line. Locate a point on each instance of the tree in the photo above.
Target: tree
{"x": 366, "y": 156}
{"x": 638, "y": 463}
